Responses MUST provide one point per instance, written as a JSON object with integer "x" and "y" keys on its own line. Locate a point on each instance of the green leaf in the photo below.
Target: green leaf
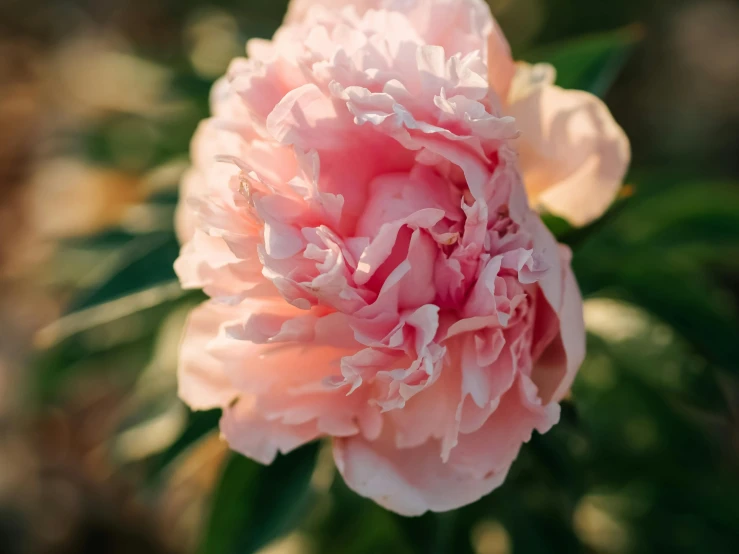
{"x": 558, "y": 226}
{"x": 149, "y": 427}
{"x": 690, "y": 303}
{"x": 110, "y": 337}
{"x": 654, "y": 251}
{"x": 575, "y": 236}
{"x": 199, "y": 424}
{"x": 153, "y": 417}
{"x": 253, "y": 505}
{"x": 164, "y": 295}
{"x": 232, "y": 506}
{"x": 707, "y": 211}
{"x": 437, "y": 533}
{"x": 56, "y": 368}
{"x": 352, "y": 523}
{"x": 143, "y": 262}
{"x": 590, "y": 63}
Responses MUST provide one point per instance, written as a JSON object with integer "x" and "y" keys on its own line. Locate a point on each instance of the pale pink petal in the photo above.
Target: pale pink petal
{"x": 408, "y": 481}
{"x": 456, "y": 25}
{"x": 185, "y": 218}
{"x": 279, "y": 360}
{"x": 297, "y": 9}
{"x": 269, "y": 344}
{"x": 573, "y": 154}
{"x": 306, "y": 118}
{"x": 557, "y": 367}
{"x": 411, "y": 481}
{"x": 494, "y": 446}
{"x": 202, "y": 381}
{"x": 258, "y": 438}
{"x": 501, "y": 68}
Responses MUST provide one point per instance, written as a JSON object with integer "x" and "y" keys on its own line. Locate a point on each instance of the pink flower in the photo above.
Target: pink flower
{"x": 572, "y": 153}
{"x": 357, "y": 214}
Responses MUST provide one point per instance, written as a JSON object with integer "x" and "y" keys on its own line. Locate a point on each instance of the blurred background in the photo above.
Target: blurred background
{"x": 98, "y": 101}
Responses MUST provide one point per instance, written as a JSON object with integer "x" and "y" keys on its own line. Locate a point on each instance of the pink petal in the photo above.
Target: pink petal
{"x": 573, "y": 154}
{"x": 258, "y": 438}
{"x": 202, "y": 382}
{"x": 408, "y": 481}
{"x": 411, "y": 481}
{"x": 557, "y": 367}
{"x": 501, "y": 67}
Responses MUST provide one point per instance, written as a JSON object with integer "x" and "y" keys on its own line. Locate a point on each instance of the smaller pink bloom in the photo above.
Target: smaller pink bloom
{"x": 573, "y": 154}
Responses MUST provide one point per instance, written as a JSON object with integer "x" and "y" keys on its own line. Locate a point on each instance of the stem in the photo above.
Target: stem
{"x": 444, "y": 532}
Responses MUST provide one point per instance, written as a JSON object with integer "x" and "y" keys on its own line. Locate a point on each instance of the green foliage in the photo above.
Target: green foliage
{"x": 653, "y": 253}
{"x": 345, "y": 522}
{"x": 590, "y": 63}
{"x": 252, "y": 504}
{"x": 116, "y": 337}
{"x": 142, "y": 262}
{"x": 199, "y": 424}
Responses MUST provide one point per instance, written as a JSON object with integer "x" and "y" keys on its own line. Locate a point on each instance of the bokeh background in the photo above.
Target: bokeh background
{"x": 98, "y": 100}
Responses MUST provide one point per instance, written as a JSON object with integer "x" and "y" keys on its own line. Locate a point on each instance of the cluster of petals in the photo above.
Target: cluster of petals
{"x": 362, "y": 212}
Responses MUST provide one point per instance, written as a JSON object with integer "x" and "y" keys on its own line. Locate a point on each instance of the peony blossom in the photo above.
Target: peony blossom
{"x": 357, "y": 213}
{"x": 572, "y": 153}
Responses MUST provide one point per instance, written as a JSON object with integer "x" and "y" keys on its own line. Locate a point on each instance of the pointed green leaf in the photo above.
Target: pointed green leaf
{"x": 141, "y": 263}
{"x": 199, "y": 424}
{"x": 253, "y": 504}
{"x": 590, "y": 63}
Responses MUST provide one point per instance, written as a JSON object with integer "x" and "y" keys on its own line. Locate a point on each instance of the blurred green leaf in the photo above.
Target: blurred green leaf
{"x": 109, "y": 313}
{"x": 101, "y": 241}
{"x": 689, "y": 303}
{"x": 437, "y": 533}
{"x": 232, "y": 506}
{"x": 199, "y": 424}
{"x": 116, "y": 337}
{"x": 148, "y": 428}
{"x": 55, "y": 369}
{"x": 653, "y": 252}
{"x": 688, "y": 212}
{"x": 349, "y": 523}
{"x": 142, "y": 262}
{"x": 153, "y": 417}
{"x": 589, "y": 63}
{"x": 558, "y": 226}
{"x": 574, "y": 236}
{"x": 252, "y": 505}
{"x": 685, "y": 298}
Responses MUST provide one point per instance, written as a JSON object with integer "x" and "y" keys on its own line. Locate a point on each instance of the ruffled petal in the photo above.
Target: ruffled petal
{"x": 557, "y": 367}
{"x": 411, "y": 481}
{"x": 249, "y": 433}
{"x": 408, "y": 481}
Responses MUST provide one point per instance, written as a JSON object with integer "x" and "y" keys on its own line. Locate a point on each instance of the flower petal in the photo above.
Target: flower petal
{"x": 411, "y": 481}
{"x": 201, "y": 380}
{"x": 573, "y": 154}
